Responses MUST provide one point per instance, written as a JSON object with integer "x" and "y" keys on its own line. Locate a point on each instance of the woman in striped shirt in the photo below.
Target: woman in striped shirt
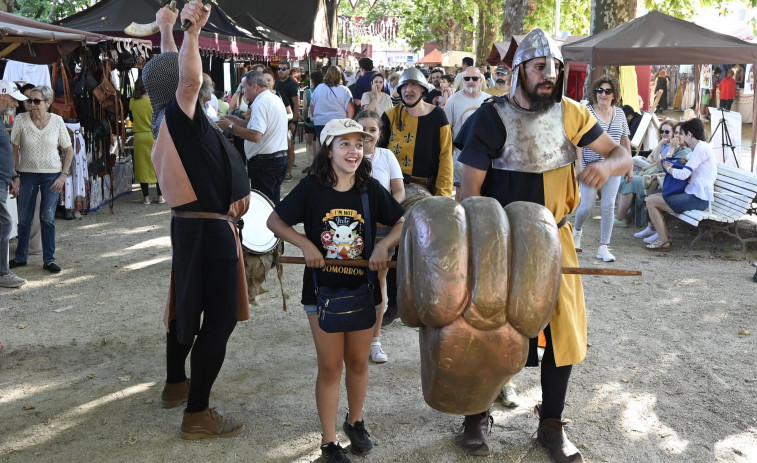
{"x": 604, "y": 106}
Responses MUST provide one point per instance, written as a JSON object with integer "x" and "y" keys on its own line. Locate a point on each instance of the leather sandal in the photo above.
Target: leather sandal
{"x": 660, "y": 245}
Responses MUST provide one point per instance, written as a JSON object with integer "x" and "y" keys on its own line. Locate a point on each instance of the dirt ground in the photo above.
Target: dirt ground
{"x": 670, "y": 374}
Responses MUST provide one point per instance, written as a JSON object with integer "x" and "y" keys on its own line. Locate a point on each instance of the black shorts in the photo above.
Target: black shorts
{"x": 309, "y": 129}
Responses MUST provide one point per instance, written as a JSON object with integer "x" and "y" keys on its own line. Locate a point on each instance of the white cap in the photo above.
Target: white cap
{"x": 9, "y": 88}
{"x": 336, "y": 127}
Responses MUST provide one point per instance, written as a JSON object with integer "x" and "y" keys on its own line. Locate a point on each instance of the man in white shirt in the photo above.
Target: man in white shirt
{"x": 460, "y": 106}
{"x": 265, "y": 136}
{"x": 213, "y": 99}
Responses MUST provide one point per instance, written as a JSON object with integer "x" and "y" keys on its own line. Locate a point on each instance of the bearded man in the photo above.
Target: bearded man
{"x": 522, "y": 147}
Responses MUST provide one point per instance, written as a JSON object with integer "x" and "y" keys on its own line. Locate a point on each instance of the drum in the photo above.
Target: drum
{"x": 256, "y": 237}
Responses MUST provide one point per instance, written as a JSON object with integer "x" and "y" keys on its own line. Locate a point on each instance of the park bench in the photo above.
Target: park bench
{"x": 735, "y": 192}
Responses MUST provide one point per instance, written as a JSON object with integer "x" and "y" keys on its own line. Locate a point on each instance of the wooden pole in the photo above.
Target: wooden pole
{"x": 565, "y": 270}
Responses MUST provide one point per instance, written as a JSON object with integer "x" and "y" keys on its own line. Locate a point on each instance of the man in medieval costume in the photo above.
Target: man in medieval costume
{"x": 522, "y": 147}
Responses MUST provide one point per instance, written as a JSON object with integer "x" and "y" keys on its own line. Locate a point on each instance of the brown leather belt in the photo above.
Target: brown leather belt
{"x": 428, "y": 182}
{"x": 208, "y": 215}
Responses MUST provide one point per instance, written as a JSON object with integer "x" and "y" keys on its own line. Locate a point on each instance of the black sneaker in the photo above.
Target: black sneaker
{"x": 390, "y": 315}
{"x": 13, "y": 263}
{"x": 333, "y": 453}
{"x": 52, "y": 267}
{"x": 359, "y": 437}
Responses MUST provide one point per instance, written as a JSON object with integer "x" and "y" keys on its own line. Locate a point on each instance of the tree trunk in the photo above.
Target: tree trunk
{"x": 606, "y": 14}
{"x": 6, "y": 6}
{"x": 514, "y": 14}
{"x": 487, "y": 28}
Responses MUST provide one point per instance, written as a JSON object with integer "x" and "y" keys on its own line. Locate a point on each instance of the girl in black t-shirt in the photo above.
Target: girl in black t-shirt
{"x": 328, "y": 203}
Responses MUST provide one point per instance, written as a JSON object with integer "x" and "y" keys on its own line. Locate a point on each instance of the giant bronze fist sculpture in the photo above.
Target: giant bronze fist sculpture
{"x": 479, "y": 280}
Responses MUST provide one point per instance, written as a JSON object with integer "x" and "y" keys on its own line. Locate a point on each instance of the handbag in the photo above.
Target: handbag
{"x": 64, "y": 107}
{"x": 343, "y": 310}
{"x": 106, "y": 93}
{"x": 672, "y": 185}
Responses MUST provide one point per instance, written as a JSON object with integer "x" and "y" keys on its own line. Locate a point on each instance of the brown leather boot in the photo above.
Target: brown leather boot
{"x": 175, "y": 394}
{"x": 208, "y": 424}
{"x": 552, "y": 436}
{"x": 475, "y": 429}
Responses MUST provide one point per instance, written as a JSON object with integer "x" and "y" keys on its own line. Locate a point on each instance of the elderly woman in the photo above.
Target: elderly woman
{"x": 604, "y": 107}
{"x": 700, "y": 172}
{"x": 36, "y": 136}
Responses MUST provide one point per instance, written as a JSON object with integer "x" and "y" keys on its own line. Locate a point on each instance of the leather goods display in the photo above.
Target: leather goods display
{"x": 64, "y": 107}
{"x": 479, "y": 281}
{"x": 672, "y": 185}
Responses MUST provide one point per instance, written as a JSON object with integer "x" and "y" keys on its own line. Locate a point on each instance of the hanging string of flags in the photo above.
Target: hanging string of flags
{"x": 354, "y": 3}
{"x": 386, "y": 28}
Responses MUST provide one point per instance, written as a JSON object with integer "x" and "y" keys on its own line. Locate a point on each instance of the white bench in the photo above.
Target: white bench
{"x": 735, "y": 191}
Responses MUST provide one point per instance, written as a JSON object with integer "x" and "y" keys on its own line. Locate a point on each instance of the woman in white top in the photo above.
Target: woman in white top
{"x": 699, "y": 191}
{"x": 330, "y": 100}
{"x": 385, "y": 169}
{"x": 604, "y": 99}
{"x": 376, "y": 100}
{"x": 36, "y": 136}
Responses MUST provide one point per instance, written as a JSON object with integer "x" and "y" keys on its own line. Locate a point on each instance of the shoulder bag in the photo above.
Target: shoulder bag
{"x": 672, "y": 185}
{"x": 64, "y": 107}
{"x": 343, "y": 310}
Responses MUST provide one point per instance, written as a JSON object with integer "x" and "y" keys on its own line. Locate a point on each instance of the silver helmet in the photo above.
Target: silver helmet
{"x": 414, "y": 75}
{"x": 537, "y": 44}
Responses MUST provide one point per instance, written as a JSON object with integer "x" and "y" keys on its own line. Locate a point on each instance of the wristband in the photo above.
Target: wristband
{"x": 14, "y": 177}
{"x": 379, "y": 245}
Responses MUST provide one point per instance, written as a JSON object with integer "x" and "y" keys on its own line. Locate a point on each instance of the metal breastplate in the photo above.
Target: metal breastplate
{"x": 536, "y": 141}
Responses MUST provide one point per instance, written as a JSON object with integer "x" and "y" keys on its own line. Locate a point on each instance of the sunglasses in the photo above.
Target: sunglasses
{"x": 35, "y": 101}
{"x": 607, "y": 91}
{"x": 475, "y": 79}
{"x": 665, "y": 132}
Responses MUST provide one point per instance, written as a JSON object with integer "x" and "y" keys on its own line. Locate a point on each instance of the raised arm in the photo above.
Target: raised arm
{"x": 166, "y": 18}
{"x": 190, "y": 65}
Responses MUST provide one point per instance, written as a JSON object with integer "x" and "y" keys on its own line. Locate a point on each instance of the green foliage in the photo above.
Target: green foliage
{"x": 574, "y": 16}
{"x": 421, "y": 20}
{"x": 40, "y": 10}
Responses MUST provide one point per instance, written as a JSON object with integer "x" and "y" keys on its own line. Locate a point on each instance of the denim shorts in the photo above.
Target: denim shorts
{"x": 686, "y": 202}
{"x": 313, "y": 309}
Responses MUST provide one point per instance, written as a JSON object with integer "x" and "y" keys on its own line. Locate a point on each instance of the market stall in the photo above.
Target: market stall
{"x": 657, "y": 38}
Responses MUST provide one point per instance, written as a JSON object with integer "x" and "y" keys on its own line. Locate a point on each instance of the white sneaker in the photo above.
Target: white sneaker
{"x": 646, "y": 233}
{"x": 377, "y": 353}
{"x": 508, "y": 395}
{"x": 651, "y": 239}
{"x": 11, "y": 280}
{"x": 577, "y": 238}
{"x": 604, "y": 254}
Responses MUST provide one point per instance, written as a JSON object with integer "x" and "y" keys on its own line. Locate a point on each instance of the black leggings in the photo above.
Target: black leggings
{"x": 146, "y": 189}
{"x": 219, "y": 303}
{"x": 554, "y": 382}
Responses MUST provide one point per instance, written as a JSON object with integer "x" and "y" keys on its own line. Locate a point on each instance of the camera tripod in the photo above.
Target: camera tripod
{"x": 725, "y": 136}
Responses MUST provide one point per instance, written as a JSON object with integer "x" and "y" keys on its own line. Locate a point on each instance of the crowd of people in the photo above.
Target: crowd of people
{"x": 372, "y": 136}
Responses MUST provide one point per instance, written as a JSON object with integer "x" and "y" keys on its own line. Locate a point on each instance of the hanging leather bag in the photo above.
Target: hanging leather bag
{"x": 106, "y": 92}
{"x": 64, "y": 107}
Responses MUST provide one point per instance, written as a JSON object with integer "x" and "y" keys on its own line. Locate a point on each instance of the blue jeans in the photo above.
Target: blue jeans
{"x": 31, "y": 183}
{"x": 267, "y": 175}
{"x": 5, "y": 228}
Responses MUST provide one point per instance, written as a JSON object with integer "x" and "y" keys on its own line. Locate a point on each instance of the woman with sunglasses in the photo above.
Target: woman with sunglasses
{"x": 604, "y": 107}
{"x": 700, "y": 172}
{"x": 36, "y": 136}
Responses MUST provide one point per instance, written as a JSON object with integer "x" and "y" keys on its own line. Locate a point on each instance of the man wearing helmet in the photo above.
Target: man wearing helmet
{"x": 420, "y": 136}
{"x": 521, "y": 147}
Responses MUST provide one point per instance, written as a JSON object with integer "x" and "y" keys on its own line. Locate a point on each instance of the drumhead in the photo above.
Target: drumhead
{"x": 256, "y": 237}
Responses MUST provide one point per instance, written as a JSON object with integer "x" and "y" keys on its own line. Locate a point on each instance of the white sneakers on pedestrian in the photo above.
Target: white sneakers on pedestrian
{"x": 508, "y": 395}
{"x": 577, "y": 238}
{"x": 646, "y": 233}
{"x": 11, "y": 280}
{"x": 651, "y": 239}
{"x": 377, "y": 353}
{"x": 604, "y": 254}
